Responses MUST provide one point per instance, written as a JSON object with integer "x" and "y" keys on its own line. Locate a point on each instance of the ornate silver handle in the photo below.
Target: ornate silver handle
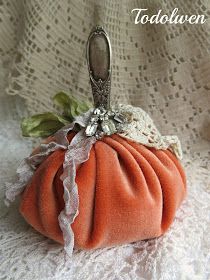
{"x": 103, "y": 120}
{"x": 99, "y": 56}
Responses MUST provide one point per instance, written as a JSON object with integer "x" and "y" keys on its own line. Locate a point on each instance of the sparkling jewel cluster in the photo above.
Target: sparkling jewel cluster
{"x": 105, "y": 122}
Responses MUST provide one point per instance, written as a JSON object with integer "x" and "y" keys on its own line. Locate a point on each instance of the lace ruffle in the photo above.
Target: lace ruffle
{"x": 142, "y": 129}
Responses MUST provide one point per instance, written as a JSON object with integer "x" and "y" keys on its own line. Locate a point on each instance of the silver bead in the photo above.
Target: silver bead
{"x": 111, "y": 113}
{"x": 97, "y": 111}
{"x": 94, "y": 118}
{"x": 99, "y": 134}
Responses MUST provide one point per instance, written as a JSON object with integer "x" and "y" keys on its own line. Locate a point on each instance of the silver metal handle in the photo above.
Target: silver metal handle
{"x": 99, "y": 56}
{"x": 103, "y": 120}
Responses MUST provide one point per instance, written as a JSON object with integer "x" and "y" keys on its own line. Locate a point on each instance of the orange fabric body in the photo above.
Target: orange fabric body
{"x": 127, "y": 192}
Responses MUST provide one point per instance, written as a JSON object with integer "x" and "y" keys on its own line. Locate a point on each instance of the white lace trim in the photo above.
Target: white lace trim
{"x": 140, "y": 128}
{"x": 77, "y": 153}
{"x": 26, "y": 170}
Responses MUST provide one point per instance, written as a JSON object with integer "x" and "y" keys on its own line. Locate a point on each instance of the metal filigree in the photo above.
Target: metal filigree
{"x": 101, "y": 91}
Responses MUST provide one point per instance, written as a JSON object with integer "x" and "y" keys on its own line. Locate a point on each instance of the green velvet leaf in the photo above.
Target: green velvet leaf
{"x": 42, "y": 125}
{"x": 70, "y": 105}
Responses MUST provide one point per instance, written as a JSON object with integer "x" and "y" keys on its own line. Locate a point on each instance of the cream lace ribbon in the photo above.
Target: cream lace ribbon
{"x": 140, "y": 128}
{"x": 76, "y": 153}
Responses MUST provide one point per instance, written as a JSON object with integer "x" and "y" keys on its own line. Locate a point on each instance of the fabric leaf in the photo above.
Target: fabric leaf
{"x": 70, "y": 105}
{"x": 42, "y": 125}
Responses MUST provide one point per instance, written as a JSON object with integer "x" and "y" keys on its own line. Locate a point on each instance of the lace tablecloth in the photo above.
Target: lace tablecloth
{"x": 163, "y": 69}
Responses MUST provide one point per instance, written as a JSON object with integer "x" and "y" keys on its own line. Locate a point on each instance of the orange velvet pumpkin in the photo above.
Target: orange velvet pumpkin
{"x": 127, "y": 192}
